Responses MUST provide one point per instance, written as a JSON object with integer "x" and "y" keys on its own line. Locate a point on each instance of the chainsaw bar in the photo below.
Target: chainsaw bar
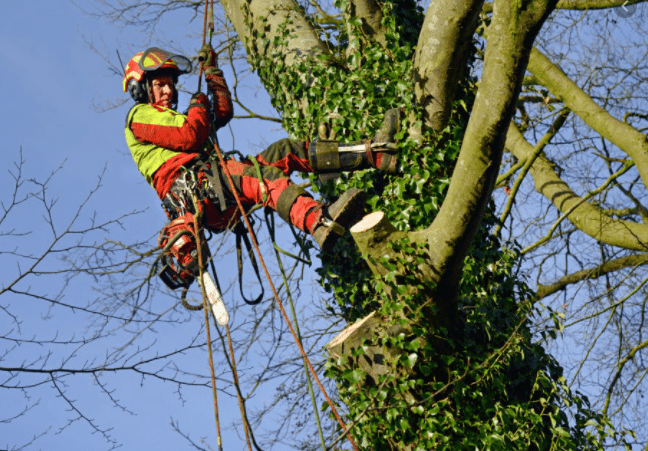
{"x": 215, "y": 300}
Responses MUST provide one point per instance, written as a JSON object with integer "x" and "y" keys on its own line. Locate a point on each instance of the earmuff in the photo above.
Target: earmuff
{"x": 138, "y": 91}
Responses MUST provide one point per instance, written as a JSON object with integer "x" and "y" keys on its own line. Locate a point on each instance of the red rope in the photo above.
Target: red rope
{"x": 198, "y": 235}
{"x": 265, "y": 269}
{"x": 276, "y": 296}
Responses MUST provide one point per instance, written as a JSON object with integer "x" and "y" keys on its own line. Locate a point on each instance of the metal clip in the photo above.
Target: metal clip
{"x": 334, "y": 226}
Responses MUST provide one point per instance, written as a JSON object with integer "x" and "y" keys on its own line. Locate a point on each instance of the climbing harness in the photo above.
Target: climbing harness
{"x": 202, "y": 179}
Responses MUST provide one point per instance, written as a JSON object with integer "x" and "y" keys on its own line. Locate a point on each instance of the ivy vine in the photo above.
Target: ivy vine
{"x": 488, "y": 384}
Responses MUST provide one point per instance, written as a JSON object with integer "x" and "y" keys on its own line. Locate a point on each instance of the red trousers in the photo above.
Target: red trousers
{"x": 276, "y": 163}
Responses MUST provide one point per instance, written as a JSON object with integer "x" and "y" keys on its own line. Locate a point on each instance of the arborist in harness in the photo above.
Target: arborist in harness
{"x": 172, "y": 151}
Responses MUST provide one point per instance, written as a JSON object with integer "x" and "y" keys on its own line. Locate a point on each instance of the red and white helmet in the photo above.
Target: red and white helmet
{"x": 153, "y": 61}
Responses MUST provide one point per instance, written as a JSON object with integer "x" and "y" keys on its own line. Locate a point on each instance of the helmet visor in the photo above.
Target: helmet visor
{"x": 155, "y": 58}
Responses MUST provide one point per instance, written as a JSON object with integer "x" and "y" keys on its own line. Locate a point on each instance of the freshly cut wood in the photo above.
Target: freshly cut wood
{"x": 375, "y": 359}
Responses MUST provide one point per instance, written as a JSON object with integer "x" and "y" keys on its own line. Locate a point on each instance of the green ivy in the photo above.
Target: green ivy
{"x": 486, "y": 385}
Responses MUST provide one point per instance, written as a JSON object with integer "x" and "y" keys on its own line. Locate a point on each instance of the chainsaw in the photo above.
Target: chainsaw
{"x": 180, "y": 263}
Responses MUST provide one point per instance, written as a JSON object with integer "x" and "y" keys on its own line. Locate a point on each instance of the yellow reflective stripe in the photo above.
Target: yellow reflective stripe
{"x": 151, "y": 60}
{"x": 154, "y": 60}
{"x": 148, "y": 114}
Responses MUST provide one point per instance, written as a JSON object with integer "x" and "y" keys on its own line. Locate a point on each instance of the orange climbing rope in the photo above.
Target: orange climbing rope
{"x": 198, "y": 232}
{"x": 202, "y": 286}
{"x": 265, "y": 269}
{"x": 276, "y": 296}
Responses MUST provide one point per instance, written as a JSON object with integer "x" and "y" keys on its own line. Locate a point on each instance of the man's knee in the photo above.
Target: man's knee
{"x": 286, "y": 200}
{"x": 284, "y": 147}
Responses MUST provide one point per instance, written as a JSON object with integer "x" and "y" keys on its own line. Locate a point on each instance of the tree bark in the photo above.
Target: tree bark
{"x": 441, "y": 57}
{"x": 250, "y": 17}
{"x": 585, "y": 216}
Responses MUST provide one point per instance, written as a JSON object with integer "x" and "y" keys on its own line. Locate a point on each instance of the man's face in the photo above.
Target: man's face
{"x": 162, "y": 88}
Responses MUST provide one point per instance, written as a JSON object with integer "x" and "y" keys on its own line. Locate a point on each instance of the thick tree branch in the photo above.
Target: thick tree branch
{"x": 607, "y": 267}
{"x": 583, "y": 215}
{"x": 510, "y": 40}
{"x": 582, "y": 5}
{"x": 619, "y": 133}
{"x": 441, "y": 56}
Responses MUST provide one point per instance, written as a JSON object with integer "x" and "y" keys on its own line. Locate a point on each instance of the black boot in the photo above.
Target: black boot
{"x": 331, "y": 157}
{"x": 333, "y": 221}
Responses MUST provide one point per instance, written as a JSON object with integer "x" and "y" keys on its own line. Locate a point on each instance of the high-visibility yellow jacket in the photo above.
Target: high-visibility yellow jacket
{"x": 157, "y": 135}
{"x": 161, "y": 140}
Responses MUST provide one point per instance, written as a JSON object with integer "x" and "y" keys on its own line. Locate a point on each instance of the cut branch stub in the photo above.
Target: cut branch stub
{"x": 373, "y": 234}
{"x": 358, "y": 348}
{"x": 376, "y": 360}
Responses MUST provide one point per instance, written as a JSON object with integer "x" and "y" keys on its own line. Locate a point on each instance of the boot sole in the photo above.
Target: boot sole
{"x": 349, "y": 208}
{"x": 346, "y": 211}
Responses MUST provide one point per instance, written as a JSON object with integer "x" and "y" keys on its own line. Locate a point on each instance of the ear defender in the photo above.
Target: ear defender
{"x": 137, "y": 91}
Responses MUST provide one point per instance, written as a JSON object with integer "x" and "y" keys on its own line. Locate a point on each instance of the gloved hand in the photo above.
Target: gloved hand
{"x": 199, "y": 99}
{"x": 208, "y": 57}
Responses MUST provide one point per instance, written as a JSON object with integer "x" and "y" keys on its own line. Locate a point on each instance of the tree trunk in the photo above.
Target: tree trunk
{"x": 251, "y": 17}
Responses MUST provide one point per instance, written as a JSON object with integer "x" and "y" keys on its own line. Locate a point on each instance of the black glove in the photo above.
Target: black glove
{"x": 208, "y": 57}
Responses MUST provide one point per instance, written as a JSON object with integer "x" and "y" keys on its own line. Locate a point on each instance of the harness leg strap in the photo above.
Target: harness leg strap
{"x": 215, "y": 179}
{"x": 331, "y": 157}
{"x": 324, "y": 156}
{"x": 286, "y": 200}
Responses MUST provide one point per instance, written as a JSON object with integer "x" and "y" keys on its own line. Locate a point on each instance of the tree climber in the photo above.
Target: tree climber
{"x": 172, "y": 152}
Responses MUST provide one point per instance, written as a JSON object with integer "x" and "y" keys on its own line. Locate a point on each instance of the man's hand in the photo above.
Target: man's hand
{"x": 208, "y": 57}
{"x": 199, "y": 99}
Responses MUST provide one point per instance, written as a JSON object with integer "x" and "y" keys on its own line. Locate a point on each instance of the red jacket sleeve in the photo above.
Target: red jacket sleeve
{"x": 223, "y": 108}
{"x": 169, "y": 129}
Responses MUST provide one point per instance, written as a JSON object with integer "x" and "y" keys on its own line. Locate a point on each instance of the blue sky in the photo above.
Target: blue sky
{"x": 51, "y": 80}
